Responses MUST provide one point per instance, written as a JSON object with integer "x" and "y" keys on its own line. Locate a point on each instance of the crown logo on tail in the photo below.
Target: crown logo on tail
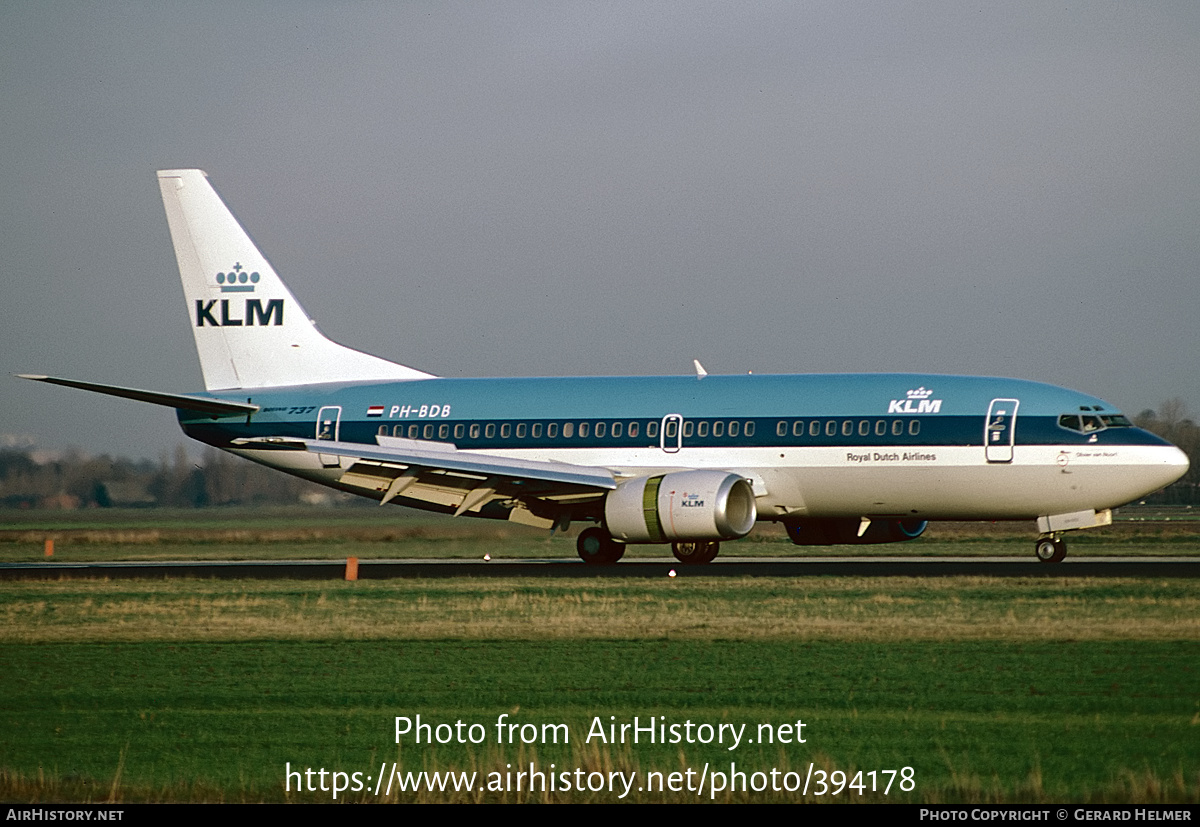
{"x": 237, "y": 280}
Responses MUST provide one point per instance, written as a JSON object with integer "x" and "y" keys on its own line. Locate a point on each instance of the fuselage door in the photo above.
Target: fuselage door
{"x": 671, "y": 435}
{"x": 329, "y": 420}
{"x": 1000, "y": 430}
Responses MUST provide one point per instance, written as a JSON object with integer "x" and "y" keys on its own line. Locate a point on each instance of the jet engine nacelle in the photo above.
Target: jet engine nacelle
{"x": 681, "y": 505}
{"x": 835, "y": 532}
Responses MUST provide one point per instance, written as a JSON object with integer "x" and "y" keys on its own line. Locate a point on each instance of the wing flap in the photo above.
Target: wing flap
{"x": 510, "y": 474}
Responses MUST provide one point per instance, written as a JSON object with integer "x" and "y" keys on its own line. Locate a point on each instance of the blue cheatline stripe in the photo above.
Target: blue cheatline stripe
{"x": 930, "y": 431}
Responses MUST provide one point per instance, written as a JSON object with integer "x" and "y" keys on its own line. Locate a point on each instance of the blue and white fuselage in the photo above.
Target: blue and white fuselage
{"x": 814, "y": 445}
{"x": 690, "y": 460}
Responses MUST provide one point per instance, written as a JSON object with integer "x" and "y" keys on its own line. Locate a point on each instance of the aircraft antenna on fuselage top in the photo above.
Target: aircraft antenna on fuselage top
{"x": 249, "y": 329}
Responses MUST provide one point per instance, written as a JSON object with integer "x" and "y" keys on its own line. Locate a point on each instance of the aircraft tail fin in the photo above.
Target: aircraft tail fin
{"x": 250, "y": 331}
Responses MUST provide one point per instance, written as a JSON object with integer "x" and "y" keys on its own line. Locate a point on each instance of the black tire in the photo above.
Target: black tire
{"x": 696, "y": 553}
{"x": 596, "y": 546}
{"x": 1050, "y": 550}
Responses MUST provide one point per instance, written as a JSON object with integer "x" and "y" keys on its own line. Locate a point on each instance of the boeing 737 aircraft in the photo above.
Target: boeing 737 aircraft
{"x": 687, "y": 460}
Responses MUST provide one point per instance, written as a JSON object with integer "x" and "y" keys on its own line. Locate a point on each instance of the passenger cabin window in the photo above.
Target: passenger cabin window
{"x": 652, "y": 429}
{"x": 748, "y": 430}
{"x": 520, "y": 430}
{"x": 798, "y": 428}
{"x": 601, "y": 427}
{"x": 633, "y": 429}
{"x": 702, "y": 427}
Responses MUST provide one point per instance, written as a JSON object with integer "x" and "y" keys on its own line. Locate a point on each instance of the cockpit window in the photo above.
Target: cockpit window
{"x": 1070, "y": 422}
{"x": 1091, "y": 423}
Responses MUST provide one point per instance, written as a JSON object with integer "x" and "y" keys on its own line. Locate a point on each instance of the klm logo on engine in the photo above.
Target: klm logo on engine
{"x": 692, "y": 501}
{"x": 917, "y": 401}
{"x": 218, "y": 313}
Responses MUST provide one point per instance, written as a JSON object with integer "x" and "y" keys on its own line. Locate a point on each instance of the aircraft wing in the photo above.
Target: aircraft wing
{"x": 439, "y": 473}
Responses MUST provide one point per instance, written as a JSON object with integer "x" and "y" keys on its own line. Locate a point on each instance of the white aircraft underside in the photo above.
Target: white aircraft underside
{"x": 820, "y": 482}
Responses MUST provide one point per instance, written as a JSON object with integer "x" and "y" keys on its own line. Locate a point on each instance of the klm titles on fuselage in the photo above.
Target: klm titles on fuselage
{"x": 917, "y": 402}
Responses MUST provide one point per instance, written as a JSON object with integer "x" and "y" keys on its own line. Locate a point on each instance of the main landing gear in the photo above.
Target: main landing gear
{"x": 703, "y": 551}
{"x": 1050, "y": 549}
{"x": 595, "y": 545}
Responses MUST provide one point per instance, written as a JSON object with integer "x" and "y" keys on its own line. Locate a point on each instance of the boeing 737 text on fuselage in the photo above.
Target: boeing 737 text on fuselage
{"x": 687, "y": 460}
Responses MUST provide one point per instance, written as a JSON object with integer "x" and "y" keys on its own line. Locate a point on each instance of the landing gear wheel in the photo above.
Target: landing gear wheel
{"x": 595, "y": 545}
{"x": 1050, "y": 550}
{"x": 704, "y": 551}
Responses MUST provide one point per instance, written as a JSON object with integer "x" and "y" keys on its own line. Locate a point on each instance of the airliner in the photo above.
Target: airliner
{"x": 689, "y": 460}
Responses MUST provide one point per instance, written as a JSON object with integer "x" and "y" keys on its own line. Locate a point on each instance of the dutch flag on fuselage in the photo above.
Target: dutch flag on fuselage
{"x": 375, "y": 410}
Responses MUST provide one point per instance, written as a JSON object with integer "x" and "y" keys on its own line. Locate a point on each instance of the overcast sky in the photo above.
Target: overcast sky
{"x": 506, "y": 189}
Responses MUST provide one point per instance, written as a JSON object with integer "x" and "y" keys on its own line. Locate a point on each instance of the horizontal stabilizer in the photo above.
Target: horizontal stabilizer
{"x": 167, "y": 400}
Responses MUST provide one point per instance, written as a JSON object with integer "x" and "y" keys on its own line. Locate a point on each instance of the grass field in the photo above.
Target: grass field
{"x": 991, "y": 690}
{"x": 384, "y": 533}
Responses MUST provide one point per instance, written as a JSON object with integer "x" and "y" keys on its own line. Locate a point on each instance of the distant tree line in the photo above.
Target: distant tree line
{"x": 74, "y": 480}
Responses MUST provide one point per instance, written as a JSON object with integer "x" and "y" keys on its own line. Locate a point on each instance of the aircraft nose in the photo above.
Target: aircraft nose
{"x": 1175, "y": 464}
{"x": 1181, "y": 461}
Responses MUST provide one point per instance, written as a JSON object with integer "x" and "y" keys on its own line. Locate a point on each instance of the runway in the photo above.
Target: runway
{"x": 1159, "y": 567}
